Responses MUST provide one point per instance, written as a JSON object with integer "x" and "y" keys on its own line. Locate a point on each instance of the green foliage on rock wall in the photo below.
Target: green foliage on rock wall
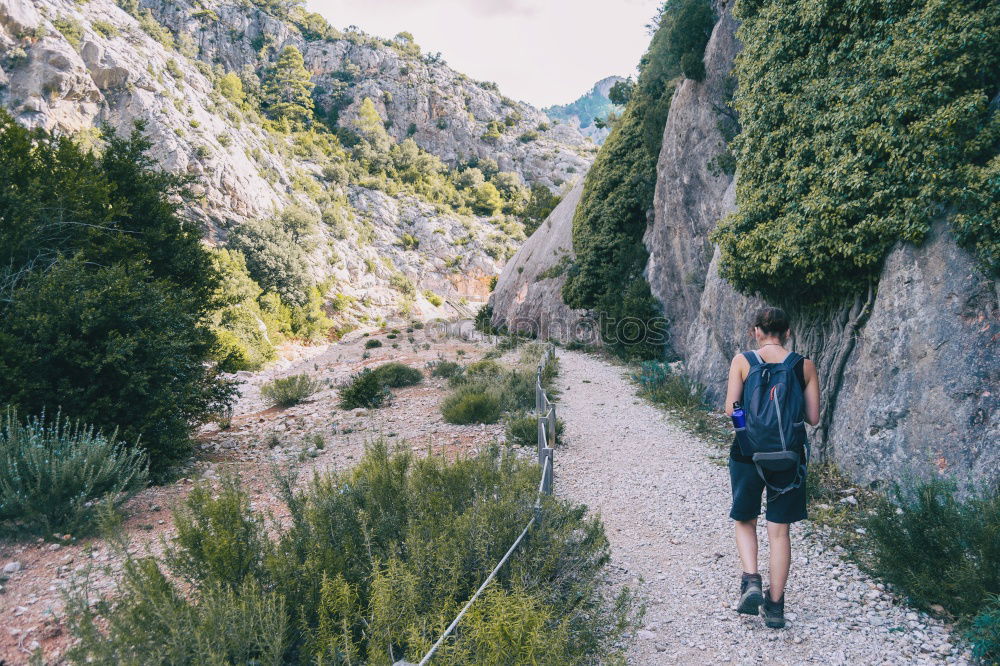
{"x": 862, "y": 124}
{"x": 611, "y": 217}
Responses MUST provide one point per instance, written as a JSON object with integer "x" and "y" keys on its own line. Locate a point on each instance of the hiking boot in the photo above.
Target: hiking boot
{"x": 751, "y": 596}
{"x": 774, "y": 611}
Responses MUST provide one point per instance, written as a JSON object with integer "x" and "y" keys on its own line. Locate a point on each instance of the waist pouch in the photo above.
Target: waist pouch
{"x": 777, "y": 461}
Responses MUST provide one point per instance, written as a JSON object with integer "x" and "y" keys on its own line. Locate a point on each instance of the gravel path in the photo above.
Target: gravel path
{"x": 665, "y": 505}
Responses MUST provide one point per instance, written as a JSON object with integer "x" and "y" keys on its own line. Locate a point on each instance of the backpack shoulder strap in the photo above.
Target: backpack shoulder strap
{"x": 792, "y": 359}
{"x": 753, "y": 358}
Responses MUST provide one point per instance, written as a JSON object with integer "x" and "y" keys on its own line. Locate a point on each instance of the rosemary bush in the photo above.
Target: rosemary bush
{"x": 288, "y": 391}
{"x": 54, "y": 475}
{"x": 371, "y": 566}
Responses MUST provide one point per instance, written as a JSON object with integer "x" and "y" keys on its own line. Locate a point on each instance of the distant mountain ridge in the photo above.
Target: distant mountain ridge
{"x": 590, "y": 105}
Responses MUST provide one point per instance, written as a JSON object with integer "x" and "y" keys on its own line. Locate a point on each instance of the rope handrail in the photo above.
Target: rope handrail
{"x": 489, "y": 579}
{"x": 545, "y": 411}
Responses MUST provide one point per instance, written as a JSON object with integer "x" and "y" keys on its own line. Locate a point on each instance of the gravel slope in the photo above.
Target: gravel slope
{"x": 665, "y": 506}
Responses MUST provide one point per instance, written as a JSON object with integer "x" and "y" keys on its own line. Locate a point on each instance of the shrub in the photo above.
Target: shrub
{"x": 936, "y": 547}
{"x": 659, "y": 384}
{"x": 486, "y": 369}
{"x": 472, "y": 403}
{"x": 53, "y": 476}
{"x": 693, "y": 66}
{"x": 396, "y": 375}
{"x": 288, "y": 391}
{"x": 364, "y": 390}
{"x": 104, "y": 28}
{"x": 483, "y": 322}
{"x": 70, "y": 29}
{"x": 205, "y": 513}
{"x": 984, "y": 633}
{"x": 433, "y": 298}
{"x": 104, "y": 317}
{"x": 446, "y": 369}
{"x": 370, "y": 567}
{"x": 372, "y": 343}
{"x": 522, "y": 429}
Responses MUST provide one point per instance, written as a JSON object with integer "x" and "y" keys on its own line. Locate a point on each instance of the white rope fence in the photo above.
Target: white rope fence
{"x": 546, "y": 413}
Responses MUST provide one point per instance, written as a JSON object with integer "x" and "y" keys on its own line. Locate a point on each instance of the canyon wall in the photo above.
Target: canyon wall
{"x": 909, "y": 370}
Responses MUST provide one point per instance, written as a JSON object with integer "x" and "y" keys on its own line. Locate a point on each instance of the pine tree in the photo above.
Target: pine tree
{"x": 287, "y": 90}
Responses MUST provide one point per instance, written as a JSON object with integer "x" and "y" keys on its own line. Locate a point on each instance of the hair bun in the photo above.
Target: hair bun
{"x": 771, "y": 321}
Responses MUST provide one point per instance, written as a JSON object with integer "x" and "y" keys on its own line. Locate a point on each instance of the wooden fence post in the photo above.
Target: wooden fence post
{"x": 542, "y": 444}
{"x": 551, "y": 419}
{"x": 547, "y": 478}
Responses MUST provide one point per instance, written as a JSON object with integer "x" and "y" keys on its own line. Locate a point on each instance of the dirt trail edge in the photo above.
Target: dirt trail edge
{"x": 665, "y": 506}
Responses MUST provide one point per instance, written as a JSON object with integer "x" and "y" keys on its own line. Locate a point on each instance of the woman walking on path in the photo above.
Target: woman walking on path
{"x": 770, "y": 330}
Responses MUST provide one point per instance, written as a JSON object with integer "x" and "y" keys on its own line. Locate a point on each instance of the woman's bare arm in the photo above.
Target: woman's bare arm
{"x": 811, "y": 392}
{"x": 734, "y": 391}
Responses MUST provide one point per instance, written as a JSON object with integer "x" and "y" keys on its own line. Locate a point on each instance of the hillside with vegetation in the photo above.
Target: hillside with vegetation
{"x": 235, "y": 427}
{"x": 349, "y": 178}
{"x": 594, "y": 111}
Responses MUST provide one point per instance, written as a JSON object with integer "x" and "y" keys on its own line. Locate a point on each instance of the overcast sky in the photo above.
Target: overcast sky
{"x": 540, "y": 51}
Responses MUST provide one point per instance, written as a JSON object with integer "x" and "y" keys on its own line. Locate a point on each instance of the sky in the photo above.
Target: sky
{"x": 539, "y": 51}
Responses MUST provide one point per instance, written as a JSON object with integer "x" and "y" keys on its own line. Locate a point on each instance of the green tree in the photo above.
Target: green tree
{"x": 541, "y": 202}
{"x": 242, "y": 340}
{"x": 469, "y": 178}
{"x": 287, "y": 90}
{"x": 621, "y": 92}
{"x": 230, "y": 86}
{"x": 405, "y": 44}
{"x": 111, "y": 346}
{"x": 274, "y": 258}
{"x": 486, "y": 199}
{"x": 370, "y": 125}
{"x": 104, "y": 291}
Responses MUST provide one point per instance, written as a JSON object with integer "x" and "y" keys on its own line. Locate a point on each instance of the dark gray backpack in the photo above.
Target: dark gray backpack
{"x": 775, "y": 433}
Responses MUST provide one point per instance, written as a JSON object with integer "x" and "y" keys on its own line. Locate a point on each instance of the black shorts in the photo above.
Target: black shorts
{"x": 748, "y": 487}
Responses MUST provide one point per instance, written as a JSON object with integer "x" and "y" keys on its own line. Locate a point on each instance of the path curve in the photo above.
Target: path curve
{"x": 665, "y": 507}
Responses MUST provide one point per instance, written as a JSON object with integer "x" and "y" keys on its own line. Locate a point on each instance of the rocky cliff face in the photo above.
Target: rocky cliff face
{"x": 528, "y": 293}
{"x": 909, "y": 370}
{"x": 70, "y": 67}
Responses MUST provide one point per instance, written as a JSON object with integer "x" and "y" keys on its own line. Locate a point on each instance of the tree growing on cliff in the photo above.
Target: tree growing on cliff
{"x": 286, "y": 94}
{"x": 371, "y": 127}
{"x": 541, "y": 202}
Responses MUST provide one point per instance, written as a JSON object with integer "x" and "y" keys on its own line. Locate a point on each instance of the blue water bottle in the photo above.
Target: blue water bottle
{"x": 739, "y": 416}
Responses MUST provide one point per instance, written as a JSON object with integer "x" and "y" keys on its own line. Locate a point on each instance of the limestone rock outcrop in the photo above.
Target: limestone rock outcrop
{"x": 528, "y": 293}
{"x": 909, "y": 370}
